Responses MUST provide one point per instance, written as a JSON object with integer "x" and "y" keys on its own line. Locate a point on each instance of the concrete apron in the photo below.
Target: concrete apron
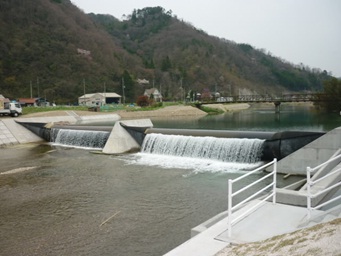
{"x": 267, "y": 221}
{"x": 12, "y": 133}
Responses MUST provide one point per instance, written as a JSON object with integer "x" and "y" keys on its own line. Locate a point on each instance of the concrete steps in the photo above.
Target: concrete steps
{"x": 294, "y": 196}
{"x": 72, "y": 113}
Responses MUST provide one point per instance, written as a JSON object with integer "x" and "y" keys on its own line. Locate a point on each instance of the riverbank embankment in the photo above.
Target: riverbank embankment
{"x": 12, "y": 133}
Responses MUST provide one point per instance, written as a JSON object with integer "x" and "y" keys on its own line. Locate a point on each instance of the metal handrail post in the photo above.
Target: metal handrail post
{"x": 229, "y": 207}
{"x": 275, "y": 182}
{"x": 308, "y": 192}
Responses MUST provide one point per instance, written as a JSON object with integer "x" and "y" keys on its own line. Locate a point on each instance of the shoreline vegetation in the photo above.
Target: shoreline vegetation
{"x": 169, "y": 110}
{"x": 130, "y": 112}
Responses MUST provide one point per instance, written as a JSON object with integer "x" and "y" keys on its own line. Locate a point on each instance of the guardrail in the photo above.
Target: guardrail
{"x": 310, "y": 183}
{"x": 253, "y": 208}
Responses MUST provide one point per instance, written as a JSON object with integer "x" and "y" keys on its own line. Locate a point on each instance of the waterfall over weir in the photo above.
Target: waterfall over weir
{"x": 79, "y": 138}
{"x": 221, "y": 149}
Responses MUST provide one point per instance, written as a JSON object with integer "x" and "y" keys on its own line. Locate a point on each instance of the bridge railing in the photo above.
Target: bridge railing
{"x": 274, "y": 98}
{"x": 292, "y": 97}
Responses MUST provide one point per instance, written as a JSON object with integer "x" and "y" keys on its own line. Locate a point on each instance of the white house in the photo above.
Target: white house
{"x": 99, "y": 99}
{"x": 153, "y": 93}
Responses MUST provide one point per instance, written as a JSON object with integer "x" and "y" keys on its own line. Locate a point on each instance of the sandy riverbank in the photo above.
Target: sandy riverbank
{"x": 170, "y": 111}
{"x": 322, "y": 239}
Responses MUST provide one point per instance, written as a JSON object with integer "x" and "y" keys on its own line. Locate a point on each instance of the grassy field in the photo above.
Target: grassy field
{"x": 30, "y": 110}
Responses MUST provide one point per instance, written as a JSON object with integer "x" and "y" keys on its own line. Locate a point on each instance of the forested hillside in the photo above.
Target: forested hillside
{"x": 57, "y": 50}
{"x": 39, "y": 40}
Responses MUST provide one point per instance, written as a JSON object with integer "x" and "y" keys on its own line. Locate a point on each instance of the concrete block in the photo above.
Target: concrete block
{"x": 291, "y": 197}
{"x": 120, "y": 141}
{"x": 89, "y": 119}
{"x": 296, "y": 198}
{"x": 138, "y": 123}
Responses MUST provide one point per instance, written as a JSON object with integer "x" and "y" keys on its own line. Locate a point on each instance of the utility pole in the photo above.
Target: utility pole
{"x": 105, "y": 99}
{"x": 84, "y": 103}
{"x": 184, "y": 92}
{"x": 31, "y": 88}
{"x": 124, "y": 97}
{"x": 38, "y": 86}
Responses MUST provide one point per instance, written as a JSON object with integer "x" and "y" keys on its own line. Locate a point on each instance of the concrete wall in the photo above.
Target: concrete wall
{"x": 12, "y": 133}
{"x": 313, "y": 154}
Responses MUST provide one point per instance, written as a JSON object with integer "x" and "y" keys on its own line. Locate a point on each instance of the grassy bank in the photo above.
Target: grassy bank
{"x": 106, "y": 108}
{"x": 212, "y": 111}
{"x": 31, "y": 110}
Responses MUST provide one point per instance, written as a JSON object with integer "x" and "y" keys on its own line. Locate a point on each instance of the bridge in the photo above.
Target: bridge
{"x": 277, "y": 100}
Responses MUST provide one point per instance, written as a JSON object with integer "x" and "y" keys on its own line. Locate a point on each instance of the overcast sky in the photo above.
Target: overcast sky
{"x": 299, "y": 31}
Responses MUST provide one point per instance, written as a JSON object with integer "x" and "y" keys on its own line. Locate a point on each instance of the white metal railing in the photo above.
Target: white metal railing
{"x": 253, "y": 208}
{"x": 311, "y": 182}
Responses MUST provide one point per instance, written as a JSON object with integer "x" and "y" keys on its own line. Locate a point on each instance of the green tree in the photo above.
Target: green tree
{"x": 330, "y": 100}
{"x": 166, "y": 64}
{"x": 11, "y": 85}
{"x": 143, "y": 101}
{"x": 128, "y": 86}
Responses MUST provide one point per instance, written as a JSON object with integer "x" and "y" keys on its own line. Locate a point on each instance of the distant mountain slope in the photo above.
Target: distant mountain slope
{"x": 39, "y": 42}
{"x": 53, "y": 48}
{"x": 202, "y": 61}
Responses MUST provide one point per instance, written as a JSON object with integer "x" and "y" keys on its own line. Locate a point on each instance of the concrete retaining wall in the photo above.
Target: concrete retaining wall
{"x": 313, "y": 154}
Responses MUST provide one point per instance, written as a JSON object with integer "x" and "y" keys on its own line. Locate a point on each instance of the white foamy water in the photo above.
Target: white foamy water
{"x": 200, "y": 154}
{"x": 221, "y": 149}
{"x": 80, "y": 138}
{"x": 196, "y": 165}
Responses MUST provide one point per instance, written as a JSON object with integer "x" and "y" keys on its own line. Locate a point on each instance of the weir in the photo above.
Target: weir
{"x": 213, "y": 133}
{"x": 221, "y": 149}
{"x": 129, "y": 136}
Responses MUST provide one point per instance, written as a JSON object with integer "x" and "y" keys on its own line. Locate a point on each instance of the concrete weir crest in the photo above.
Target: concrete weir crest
{"x": 120, "y": 140}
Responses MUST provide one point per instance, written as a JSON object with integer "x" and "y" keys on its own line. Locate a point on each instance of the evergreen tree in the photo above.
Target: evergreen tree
{"x": 166, "y": 64}
{"x": 331, "y": 99}
{"x": 128, "y": 87}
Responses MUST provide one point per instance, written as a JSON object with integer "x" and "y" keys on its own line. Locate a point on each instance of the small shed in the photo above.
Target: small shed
{"x": 28, "y": 102}
{"x": 153, "y": 93}
{"x": 99, "y": 99}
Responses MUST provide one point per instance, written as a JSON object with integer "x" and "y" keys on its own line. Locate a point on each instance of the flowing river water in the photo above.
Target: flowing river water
{"x": 68, "y": 201}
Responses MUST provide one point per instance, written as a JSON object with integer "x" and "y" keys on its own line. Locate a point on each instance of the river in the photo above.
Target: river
{"x": 68, "y": 201}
